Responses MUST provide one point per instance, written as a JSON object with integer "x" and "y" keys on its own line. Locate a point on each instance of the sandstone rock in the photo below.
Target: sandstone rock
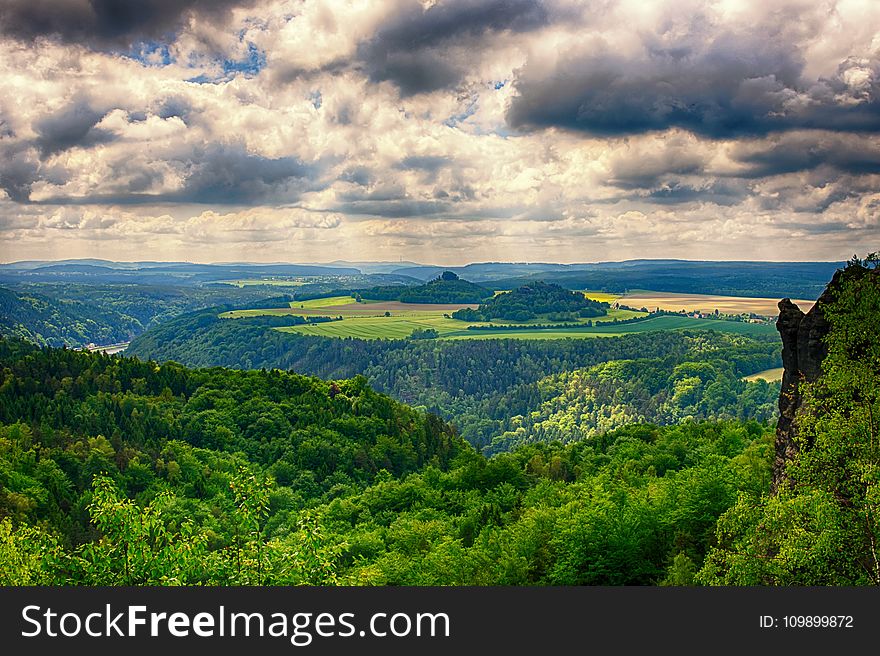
{"x": 803, "y": 350}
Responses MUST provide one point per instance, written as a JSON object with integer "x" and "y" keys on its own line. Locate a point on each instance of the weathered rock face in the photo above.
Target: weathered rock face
{"x": 803, "y": 351}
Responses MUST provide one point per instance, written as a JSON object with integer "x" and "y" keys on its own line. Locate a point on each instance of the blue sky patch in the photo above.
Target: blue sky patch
{"x": 249, "y": 66}
{"x": 150, "y": 53}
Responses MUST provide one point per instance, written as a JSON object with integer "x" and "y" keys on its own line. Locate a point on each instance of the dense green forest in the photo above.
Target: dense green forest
{"x": 120, "y": 471}
{"x": 534, "y": 300}
{"x": 823, "y": 526}
{"x": 50, "y": 321}
{"x": 72, "y": 314}
{"x": 123, "y": 471}
{"x": 116, "y": 471}
{"x": 503, "y": 392}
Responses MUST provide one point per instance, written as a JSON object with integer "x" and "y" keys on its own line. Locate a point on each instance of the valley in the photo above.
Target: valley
{"x": 360, "y": 438}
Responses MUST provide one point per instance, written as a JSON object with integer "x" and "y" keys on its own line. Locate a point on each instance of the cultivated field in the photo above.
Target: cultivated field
{"x": 603, "y": 297}
{"x": 707, "y": 303}
{"x": 347, "y": 307}
{"x": 401, "y": 326}
{"x": 368, "y": 321}
{"x": 611, "y": 330}
{"x": 770, "y": 375}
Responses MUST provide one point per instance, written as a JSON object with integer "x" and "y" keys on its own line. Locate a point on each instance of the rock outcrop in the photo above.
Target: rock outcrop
{"x": 803, "y": 350}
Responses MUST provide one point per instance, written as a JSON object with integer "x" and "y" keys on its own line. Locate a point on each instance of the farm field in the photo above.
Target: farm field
{"x": 604, "y": 297}
{"x": 367, "y": 320}
{"x": 347, "y": 307}
{"x": 707, "y": 303}
{"x": 611, "y": 330}
{"x": 401, "y": 326}
{"x": 770, "y": 375}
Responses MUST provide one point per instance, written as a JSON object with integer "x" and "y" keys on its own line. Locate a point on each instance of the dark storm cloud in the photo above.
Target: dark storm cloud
{"x": 395, "y": 209}
{"x": 735, "y": 85}
{"x": 213, "y": 174}
{"x": 18, "y": 172}
{"x": 416, "y": 50}
{"x": 72, "y": 126}
{"x": 359, "y": 175}
{"x": 719, "y": 192}
{"x": 803, "y": 151}
{"x": 229, "y": 174}
{"x": 175, "y": 106}
{"x": 105, "y": 22}
{"x": 642, "y": 171}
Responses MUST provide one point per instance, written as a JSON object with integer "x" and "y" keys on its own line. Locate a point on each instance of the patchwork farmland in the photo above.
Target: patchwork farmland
{"x": 396, "y": 320}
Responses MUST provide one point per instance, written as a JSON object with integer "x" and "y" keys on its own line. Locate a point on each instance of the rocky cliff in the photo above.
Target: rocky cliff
{"x": 803, "y": 349}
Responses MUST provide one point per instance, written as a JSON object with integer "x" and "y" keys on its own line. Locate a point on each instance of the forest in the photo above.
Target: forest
{"x": 74, "y": 314}
{"x": 116, "y": 471}
{"x": 121, "y": 471}
{"x": 534, "y": 300}
{"x": 506, "y": 391}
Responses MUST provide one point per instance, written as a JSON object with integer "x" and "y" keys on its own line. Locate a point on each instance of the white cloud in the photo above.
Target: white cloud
{"x": 320, "y": 154}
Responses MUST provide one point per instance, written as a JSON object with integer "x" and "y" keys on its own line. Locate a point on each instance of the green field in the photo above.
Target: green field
{"x": 323, "y": 302}
{"x": 603, "y": 297}
{"x": 399, "y": 327}
{"x": 395, "y": 327}
{"x": 368, "y": 321}
{"x": 314, "y": 304}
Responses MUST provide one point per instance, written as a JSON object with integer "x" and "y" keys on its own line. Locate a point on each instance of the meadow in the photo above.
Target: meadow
{"x": 394, "y": 320}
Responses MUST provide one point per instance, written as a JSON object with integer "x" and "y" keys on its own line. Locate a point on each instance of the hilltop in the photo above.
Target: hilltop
{"x": 535, "y": 300}
{"x": 445, "y": 288}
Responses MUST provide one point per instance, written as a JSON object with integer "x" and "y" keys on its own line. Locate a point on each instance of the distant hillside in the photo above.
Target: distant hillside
{"x": 96, "y": 271}
{"x": 484, "y": 271}
{"x": 760, "y": 279}
{"x": 52, "y": 322}
{"x": 66, "y": 314}
{"x": 446, "y": 288}
{"x": 533, "y": 300}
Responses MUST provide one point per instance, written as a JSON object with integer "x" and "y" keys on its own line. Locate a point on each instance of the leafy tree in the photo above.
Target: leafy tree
{"x": 824, "y": 529}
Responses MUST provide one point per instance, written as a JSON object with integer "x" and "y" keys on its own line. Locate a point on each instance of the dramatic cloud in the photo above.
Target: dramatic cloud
{"x": 73, "y": 125}
{"x": 421, "y": 50}
{"x": 440, "y": 130}
{"x": 107, "y": 22}
{"x": 732, "y": 84}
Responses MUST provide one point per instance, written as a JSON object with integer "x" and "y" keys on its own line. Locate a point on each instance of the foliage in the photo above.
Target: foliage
{"x": 511, "y": 391}
{"x": 533, "y": 300}
{"x": 823, "y": 529}
{"x": 67, "y": 314}
{"x": 226, "y": 477}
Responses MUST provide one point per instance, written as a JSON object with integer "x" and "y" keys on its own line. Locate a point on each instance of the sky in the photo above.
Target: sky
{"x": 447, "y": 131}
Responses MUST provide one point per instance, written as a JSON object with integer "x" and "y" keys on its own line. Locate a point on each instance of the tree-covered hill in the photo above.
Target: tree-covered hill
{"x": 120, "y": 472}
{"x": 72, "y": 314}
{"x": 445, "y": 288}
{"x": 50, "y": 321}
{"x": 494, "y": 390}
{"x": 533, "y": 300}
